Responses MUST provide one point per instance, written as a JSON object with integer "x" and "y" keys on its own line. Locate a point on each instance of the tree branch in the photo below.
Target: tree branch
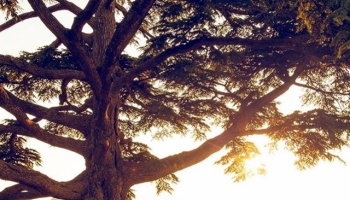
{"x": 87, "y": 38}
{"x": 64, "y": 5}
{"x": 12, "y": 102}
{"x": 131, "y": 22}
{"x": 253, "y": 10}
{"x": 41, "y": 72}
{"x": 72, "y": 41}
{"x": 124, "y": 12}
{"x": 292, "y": 43}
{"x": 30, "y": 128}
{"x": 248, "y": 111}
{"x": 54, "y": 140}
{"x": 84, "y": 16}
{"x": 121, "y": 8}
{"x": 39, "y": 182}
{"x": 152, "y": 170}
{"x": 28, "y": 15}
{"x": 234, "y": 25}
{"x": 320, "y": 90}
{"x": 49, "y": 20}
{"x": 70, "y": 6}
{"x": 88, "y": 104}
{"x": 20, "y": 192}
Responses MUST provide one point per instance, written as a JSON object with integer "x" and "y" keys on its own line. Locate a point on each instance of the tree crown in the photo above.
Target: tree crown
{"x": 200, "y": 64}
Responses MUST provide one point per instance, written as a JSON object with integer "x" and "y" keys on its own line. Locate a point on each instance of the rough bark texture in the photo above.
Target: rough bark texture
{"x": 104, "y": 167}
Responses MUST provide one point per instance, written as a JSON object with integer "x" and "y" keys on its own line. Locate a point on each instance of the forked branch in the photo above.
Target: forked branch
{"x": 72, "y": 41}
{"x": 84, "y": 16}
{"x": 132, "y": 22}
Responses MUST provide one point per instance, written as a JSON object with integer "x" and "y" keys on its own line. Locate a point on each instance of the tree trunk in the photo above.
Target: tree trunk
{"x": 104, "y": 164}
{"x": 104, "y": 175}
{"x": 104, "y": 28}
{"x": 105, "y": 183}
{"x": 105, "y": 186}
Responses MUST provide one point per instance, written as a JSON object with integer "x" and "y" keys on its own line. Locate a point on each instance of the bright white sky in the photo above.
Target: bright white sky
{"x": 204, "y": 181}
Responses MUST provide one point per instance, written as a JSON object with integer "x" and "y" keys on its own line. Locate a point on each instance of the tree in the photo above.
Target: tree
{"x": 204, "y": 63}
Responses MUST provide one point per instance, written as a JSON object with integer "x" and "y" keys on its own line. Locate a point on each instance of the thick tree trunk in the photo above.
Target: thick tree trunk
{"x": 105, "y": 188}
{"x": 105, "y": 183}
{"x": 104, "y": 165}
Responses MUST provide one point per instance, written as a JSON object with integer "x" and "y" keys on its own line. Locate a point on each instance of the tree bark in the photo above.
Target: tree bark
{"x": 104, "y": 164}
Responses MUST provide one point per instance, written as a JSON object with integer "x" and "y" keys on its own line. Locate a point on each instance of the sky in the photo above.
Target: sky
{"x": 204, "y": 181}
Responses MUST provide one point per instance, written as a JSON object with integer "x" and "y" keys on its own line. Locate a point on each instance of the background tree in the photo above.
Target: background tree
{"x": 205, "y": 63}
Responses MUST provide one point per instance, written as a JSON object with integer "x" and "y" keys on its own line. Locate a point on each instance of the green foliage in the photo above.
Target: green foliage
{"x": 32, "y": 88}
{"x": 326, "y": 21}
{"x": 220, "y": 76}
{"x": 12, "y": 150}
{"x": 58, "y": 129}
{"x": 196, "y": 87}
{"x": 130, "y": 195}
{"x": 138, "y": 152}
{"x": 51, "y": 58}
{"x": 163, "y": 184}
{"x": 10, "y": 7}
{"x": 239, "y": 151}
{"x": 211, "y": 83}
{"x": 312, "y": 136}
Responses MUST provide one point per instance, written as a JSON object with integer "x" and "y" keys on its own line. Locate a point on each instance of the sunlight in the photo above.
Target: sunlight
{"x": 271, "y": 175}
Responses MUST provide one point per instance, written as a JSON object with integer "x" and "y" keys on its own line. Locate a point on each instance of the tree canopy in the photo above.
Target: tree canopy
{"x": 200, "y": 63}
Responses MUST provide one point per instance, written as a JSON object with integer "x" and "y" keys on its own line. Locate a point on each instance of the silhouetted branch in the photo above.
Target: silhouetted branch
{"x": 41, "y": 72}
{"x": 37, "y": 181}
